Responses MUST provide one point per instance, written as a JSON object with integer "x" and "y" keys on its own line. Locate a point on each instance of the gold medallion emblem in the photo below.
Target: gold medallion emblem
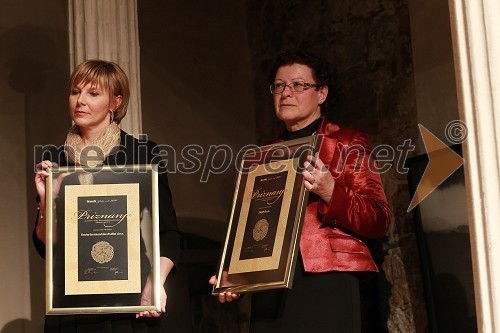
{"x": 102, "y": 252}
{"x": 260, "y": 229}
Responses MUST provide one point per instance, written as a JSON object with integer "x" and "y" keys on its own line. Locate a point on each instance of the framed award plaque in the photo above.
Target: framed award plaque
{"x": 102, "y": 244}
{"x": 261, "y": 245}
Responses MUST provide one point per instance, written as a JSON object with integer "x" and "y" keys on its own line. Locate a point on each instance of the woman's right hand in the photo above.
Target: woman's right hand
{"x": 41, "y": 175}
{"x": 224, "y": 297}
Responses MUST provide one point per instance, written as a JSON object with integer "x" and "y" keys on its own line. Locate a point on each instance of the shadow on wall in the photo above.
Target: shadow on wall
{"x": 17, "y": 326}
{"x": 31, "y": 56}
{"x": 34, "y": 64}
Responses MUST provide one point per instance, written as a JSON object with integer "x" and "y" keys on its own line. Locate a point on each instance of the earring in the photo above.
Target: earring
{"x": 112, "y": 117}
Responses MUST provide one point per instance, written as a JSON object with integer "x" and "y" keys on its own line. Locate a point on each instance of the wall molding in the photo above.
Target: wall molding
{"x": 476, "y": 32}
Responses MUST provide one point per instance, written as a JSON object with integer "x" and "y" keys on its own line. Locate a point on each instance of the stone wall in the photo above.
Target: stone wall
{"x": 369, "y": 45}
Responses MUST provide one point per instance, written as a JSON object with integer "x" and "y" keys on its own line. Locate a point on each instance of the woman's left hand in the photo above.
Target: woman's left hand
{"x": 147, "y": 299}
{"x": 318, "y": 179}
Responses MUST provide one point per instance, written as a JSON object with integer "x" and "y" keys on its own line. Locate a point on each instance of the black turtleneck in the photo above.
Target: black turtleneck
{"x": 306, "y": 131}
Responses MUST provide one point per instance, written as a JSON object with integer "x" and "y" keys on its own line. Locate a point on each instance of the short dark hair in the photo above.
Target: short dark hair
{"x": 321, "y": 69}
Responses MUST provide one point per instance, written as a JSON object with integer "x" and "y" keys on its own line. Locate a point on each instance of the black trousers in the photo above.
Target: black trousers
{"x": 327, "y": 302}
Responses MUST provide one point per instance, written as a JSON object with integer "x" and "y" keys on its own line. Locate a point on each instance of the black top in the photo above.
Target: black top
{"x": 130, "y": 151}
{"x": 133, "y": 151}
{"x": 303, "y": 132}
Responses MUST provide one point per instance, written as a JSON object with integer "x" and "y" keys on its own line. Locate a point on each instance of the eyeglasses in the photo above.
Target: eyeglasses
{"x": 295, "y": 87}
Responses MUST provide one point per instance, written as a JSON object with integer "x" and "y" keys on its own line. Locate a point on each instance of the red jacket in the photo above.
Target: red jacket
{"x": 331, "y": 232}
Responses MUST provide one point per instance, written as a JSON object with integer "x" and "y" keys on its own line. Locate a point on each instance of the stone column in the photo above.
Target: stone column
{"x": 476, "y": 32}
{"x": 108, "y": 30}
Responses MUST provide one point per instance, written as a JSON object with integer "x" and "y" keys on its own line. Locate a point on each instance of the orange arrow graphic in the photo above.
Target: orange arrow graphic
{"x": 442, "y": 163}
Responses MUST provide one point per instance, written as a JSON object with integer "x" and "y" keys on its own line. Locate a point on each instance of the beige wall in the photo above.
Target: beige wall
{"x": 196, "y": 86}
{"x": 14, "y": 264}
{"x": 33, "y": 74}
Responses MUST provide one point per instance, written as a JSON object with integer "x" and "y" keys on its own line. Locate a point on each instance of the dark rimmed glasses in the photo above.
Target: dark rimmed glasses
{"x": 295, "y": 87}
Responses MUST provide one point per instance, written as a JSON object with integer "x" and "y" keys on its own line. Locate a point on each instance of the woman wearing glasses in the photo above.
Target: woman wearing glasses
{"x": 346, "y": 205}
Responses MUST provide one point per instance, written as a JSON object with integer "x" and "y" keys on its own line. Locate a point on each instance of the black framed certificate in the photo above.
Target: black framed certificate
{"x": 102, "y": 239}
{"x": 260, "y": 249}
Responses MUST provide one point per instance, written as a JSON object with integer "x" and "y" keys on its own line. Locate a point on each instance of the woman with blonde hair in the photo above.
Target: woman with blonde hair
{"x": 98, "y": 100}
